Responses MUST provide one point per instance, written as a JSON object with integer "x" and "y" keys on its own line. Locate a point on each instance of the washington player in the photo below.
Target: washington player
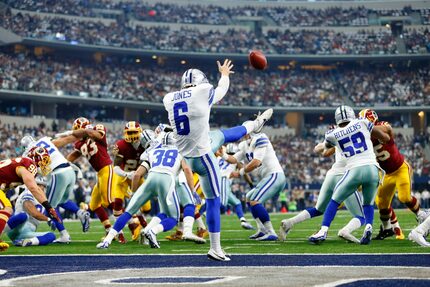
{"x": 21, "y": 227}
{"x": 162, "y": 162}
{"x": 258, "y": 154}
{"x": 127, "y": 152}
{"x": 22, "y": 170}
{"x": 398, "y": 174}
{"x": 91, "y": 142}
{"x": 352, "y": 137}
{"x": 353, "y": 203}
{"x": 61, "y": 181}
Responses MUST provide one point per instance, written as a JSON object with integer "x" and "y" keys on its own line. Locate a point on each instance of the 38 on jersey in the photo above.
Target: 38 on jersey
{"x": 163, "y": 159}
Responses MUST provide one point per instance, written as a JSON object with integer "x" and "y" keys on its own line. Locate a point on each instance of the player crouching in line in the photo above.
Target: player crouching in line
{"x": 21, "y": 227}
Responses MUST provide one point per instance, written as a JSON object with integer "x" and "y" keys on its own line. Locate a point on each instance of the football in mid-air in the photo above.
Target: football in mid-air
{"x": 257, "y": 60}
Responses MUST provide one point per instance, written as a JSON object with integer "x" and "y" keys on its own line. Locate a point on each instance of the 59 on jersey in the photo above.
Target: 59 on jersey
{"x": 352, "y": 145}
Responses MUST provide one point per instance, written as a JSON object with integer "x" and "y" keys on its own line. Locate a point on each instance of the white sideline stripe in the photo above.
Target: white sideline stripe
{"x": 198, "y": 254}
{"x": 216, "y": 281}
{"x": 345, "y": 281}
{"x": 9, "y": 282}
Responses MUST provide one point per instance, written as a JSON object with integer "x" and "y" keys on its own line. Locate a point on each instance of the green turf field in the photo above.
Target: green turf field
{"x": 234, "y": 240}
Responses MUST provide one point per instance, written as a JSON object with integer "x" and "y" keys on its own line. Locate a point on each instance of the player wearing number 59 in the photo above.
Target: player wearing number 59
{"x": 90, "y": 141}
{"x": 353, "y": 138}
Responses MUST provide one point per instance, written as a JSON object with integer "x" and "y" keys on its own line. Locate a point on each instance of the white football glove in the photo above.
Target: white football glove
{"x": 63, "y": 134}
{"x": 130, "y": 175}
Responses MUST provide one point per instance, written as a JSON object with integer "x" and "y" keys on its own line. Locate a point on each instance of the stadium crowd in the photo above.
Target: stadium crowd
{"x": 126, "y": 80}
{"x": 213, "y": 14}
{"x": 123, "y": 34}
{"x": 305, "y": 170}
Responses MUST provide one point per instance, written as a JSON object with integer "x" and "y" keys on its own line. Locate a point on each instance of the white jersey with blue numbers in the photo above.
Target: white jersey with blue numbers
{"x": 354, "y": 143}
{"x": 262, "y": 149}
{"x": 225, "y": 167}
{"x": 339, "y": 166}
{"x": 163, "y": 159}
{"x": 57, "y": 157}
{"x": 245, "y": 155}
{"x": 26, "y": 195}
{"x": 189, "y": 111}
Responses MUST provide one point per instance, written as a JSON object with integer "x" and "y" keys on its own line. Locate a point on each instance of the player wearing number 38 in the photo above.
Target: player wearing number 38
{"x": 353, "y": 137}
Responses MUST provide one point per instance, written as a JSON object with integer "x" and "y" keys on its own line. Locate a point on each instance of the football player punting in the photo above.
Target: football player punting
{"x": 352, "y": 137}
{"x": 22, "y": 170}
{"x": 127, "y": 152}
{"x": 398, "y": 174}
{"x": 90, "y": 141}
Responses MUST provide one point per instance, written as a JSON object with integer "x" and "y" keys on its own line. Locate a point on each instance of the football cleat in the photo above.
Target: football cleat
{"x": 218, "y": 256}
{"x": 22, "y": 242}
{"x": 257, "y": 235}
{"x": 367, "y": 235}
{"x": 85, "y": 221}
{"x": 4, "y": 246}
{"x": 246, "y": 225}
{"x": 384, "y": 233}
{"x": 399, "y": 233}
{"x": 285, "y": 228}
{"x": 422, "y": 215}
{"x": 268, "y": 237}
{"x": 202, "y": 233}
{"x": 176, "y": 236}
{"x": 63, "y": 239}
{"x": 318, "y": 237}
{"x": 346, "y": 235}
{"x": 152, "y": 238}
{"x": 418, "y": 238}
{"x": 262, "y": 119}
{"x": 103, "y": 245}
{"x": 120, "y": 238}
{"x": 194, "y": 238}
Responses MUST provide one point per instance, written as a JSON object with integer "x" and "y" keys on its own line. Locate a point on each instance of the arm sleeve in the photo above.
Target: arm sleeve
{"x": 221, "y": 90}
{"x": 329, "y": 141}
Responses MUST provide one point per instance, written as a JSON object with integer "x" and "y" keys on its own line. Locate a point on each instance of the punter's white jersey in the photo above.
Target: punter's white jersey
{"x": 189, "y": 111}
{"x": 354, "y": 142}
{"x": 163, "y": 159}
{"x": 26, "y": 195}
{"x": 225, "y": 168}
{"x": 339, "y": 166}
{"x": 57, "y": 157}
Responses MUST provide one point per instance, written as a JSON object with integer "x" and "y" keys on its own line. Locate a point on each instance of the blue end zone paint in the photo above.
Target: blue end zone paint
{"x": 33, "y": 265}
{"x": 388, "y": 283}
{"x": 166, "y": 280}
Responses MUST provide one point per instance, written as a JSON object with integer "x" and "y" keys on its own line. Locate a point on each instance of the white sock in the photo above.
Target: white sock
{"x": 215, "y": 238}
{"x": 181, "y": 225}
{"x": 64, "y": 233}
{"x": 395, "y": 225}
{"x": 424, "y": 227}
{"x": 269, "y": 227}
{"x": 302, "y": 216}
{"x": 154, "y": 221}
{"x": 188, "y": 225}
{"x": 243, "y": 219}
{"x": 200, "y": 223}
{"x": 324, "y": 228}
{"x": 110, "y": 236}
{"x": 34, "y": 241}
{"x": 157, "y": 229}
{"x": 249, "y": 125}
{"x": 386, "y": 224}
{"x": 260, "y": 225}
{"x": 352, "y": 225}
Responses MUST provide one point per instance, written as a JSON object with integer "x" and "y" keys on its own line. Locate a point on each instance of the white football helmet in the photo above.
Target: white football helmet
{"x": 344, "y": 114}
{"x": 192, "y": 78}
{"x": 26, "y": 141}
{"x": 147, "y": 137}
{"x": 168, "y": 139}
{"x": 231, "y": 148}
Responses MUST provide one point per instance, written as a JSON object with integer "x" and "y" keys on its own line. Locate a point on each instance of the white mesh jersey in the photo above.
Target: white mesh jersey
{"x": 339, "y": 166}
{"x": 354, "y": 142}
{"x": 225, "y": 167}
{"x": 26, "y": 195}
{"x": 261, "y": 148}
{"x": 57, "y": 157}
{"x": 244, "y": 155}
{"x": 163, "y": 159}
{"x": 189, "y": 111}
